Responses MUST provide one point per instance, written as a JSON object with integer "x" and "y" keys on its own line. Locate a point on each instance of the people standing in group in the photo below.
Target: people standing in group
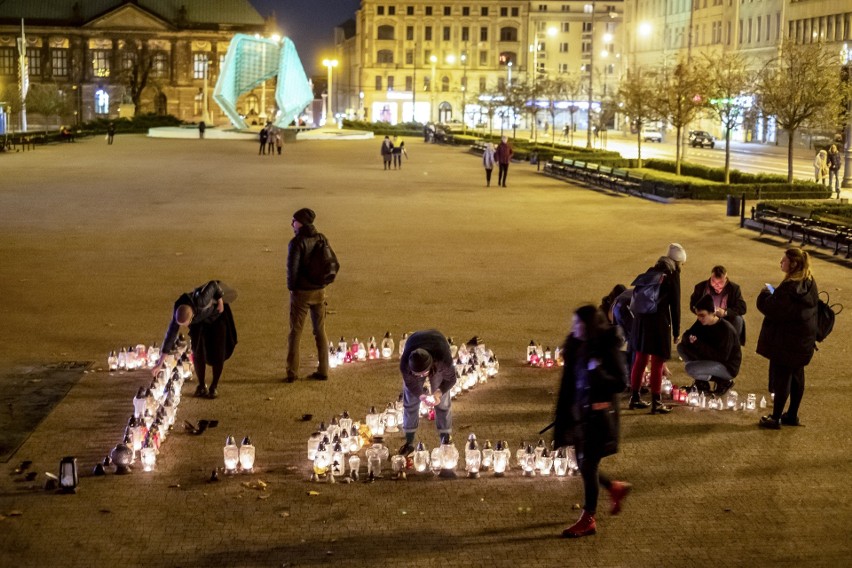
{"x": 834, "y": 168}
{"x": 426, "y": 357}
{"x": 202, "y": 126}
{"x": 788, "y": 335}
{"x": 207, "y": 314}
{"x": 587, "y": 409}
{"x": 821, "y": 167}
{"x": 397, "y": 152}
{"x": 727, "y": 297}
{"x": 306, "y": 295}
{"x": 387, "y": 152}
{"x": 264, "y": 138}
{"x": 503, "y": 154}
{"x": 270, "y": 140}
{"x": 653, "y": 333}
{"x": 488, "y": 160}
{"x": 110, "y": 132}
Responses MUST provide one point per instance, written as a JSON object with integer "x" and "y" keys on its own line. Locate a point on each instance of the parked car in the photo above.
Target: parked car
{"x": 652, "y": 134}
{"x": 701, "y": 138}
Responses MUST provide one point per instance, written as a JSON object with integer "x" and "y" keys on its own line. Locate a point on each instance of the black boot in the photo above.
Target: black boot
{"x": 636, "y": 402}
{"x": 657, "y": 406}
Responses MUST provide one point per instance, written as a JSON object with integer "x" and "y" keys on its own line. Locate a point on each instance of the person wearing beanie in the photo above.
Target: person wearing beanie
{"x": 711, "y": 349}
{"x": 727, "y": 297}
{"x": 305, "y": 295}
{"x": 677, "y": 253}
{"x": 426, "y": 357}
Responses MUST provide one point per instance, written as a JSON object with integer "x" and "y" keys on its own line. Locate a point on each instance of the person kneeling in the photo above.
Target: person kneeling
{"x": 711, "y": 349}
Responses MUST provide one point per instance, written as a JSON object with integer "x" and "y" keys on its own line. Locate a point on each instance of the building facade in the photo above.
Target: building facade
{"x": 112, "y": 58}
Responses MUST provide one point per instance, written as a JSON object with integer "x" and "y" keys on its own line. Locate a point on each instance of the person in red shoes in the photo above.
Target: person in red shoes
{"x": 587, "y": 409}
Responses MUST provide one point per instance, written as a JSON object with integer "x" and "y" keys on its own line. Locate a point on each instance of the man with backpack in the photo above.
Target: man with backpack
{"x": 311, "y": 266}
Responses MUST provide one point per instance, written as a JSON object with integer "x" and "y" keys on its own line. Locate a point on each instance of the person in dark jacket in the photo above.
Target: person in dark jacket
{"x": 264, "y": 138}
{"x": 426, "y": 357}
{"x": 651, "y": 333}
{"x": 503, "y": 154}
{"x": 834, "y": 159}
{"x": 788, "y": 335}
{"x": 305, "y": 296}
{"x": 207, "y": 314}
{"x": 727, "y": 298}
{"x": 711, "y": 348}
{"x": 587, "y": 409}
{"x": 387, "y": 152}
{"x": 616, "y": 307}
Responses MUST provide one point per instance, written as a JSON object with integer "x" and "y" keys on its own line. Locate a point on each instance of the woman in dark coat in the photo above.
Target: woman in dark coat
{"x": 205, "y": 311}
{"x": 587, "y": 410}
{"x": 788, "y": 335}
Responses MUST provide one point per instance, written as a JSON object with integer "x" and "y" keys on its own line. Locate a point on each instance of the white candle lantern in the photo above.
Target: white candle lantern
{"x": 398, "y": 466}
{"x": 762, "y": 402}
{"x": 342, "y": 345}
{"x": 751, "y": 401}
{"x": 333, "y": 361}
{"x": 148, "y": 456}
{"x": 361, "y": 355}
{"x": 387, "y": 346}
{"x": 492, "y": 367}
{"x": 421, "y": 458}
{"x": 435, "y": 460}
{"x": 372, "y": 348}
{"x": 313, "y": 443}
{"x": 341, "y": 356}
{"x": 557, "y": 355}
{"x": 247, "y": 453}
{"x": 666, "y": 387}
{"x": 137, "y": 433}
{"x": 354, "y": 466}
{"x": 449, "y": 457}
{"x": 338, "y": 460}
{"x": 520, "y": 453}
{"x": 232, "y": 455}
{"x": 333, "y": 428}
{"x": 122, "y": 358}
{"x": 68, "y": 474}
{"x": 732, "y": 399}
{"x": 693, "y": 399}
{"x": 472, "y": 457}
{"x": 390, "y": 419}
{"x": 354, "y": 439}
{"x": 548, "y": 358}
{"x": 544, "y": 463}
{"x": 322, "y": 460}
{"x": 531, "y": 350}
{"x": 560, "y": 463}
{"x": 528, "y": 462}
{"x": 374, "y": 461}
{"x": 345, "y": 421}
{"x": 501, "y": 459}
{"x": 112, "y": 361}
{"x": 487, "y": 456}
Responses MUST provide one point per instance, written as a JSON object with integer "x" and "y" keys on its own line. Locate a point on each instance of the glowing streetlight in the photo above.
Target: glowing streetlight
{"x": 330, "y": 64}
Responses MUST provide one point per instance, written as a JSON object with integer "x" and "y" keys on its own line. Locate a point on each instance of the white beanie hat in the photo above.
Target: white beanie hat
{"x": 677, "y": 253}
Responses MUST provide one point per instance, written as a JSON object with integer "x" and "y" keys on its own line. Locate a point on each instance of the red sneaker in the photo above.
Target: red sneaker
{"x": 618, "y": 492}
{"x": 585, "y": 526}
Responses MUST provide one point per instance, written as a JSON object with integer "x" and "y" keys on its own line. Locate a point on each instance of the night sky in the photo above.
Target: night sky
{"x": 310, "y": 24}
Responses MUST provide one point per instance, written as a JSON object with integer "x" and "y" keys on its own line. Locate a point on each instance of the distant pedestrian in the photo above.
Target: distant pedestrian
{"x": 270, "y": 141}
{"x": 788, "y": 335}
{"x": 821, "y": 167}
{"x": 503, "y": 154}
{"x": 264, "y": 137}
{"x": 201, "y": 128}
{"x": 207, "y": 314}
{"x": 488, "y": 160}
{"x": 279, "y": 140}
{"x": 110, "y": 132}
{"x": 398, "y": 151}
{"x": 834, "y": 168}
{"x": 387, "y": 152}
{"x": 587, "y": 409}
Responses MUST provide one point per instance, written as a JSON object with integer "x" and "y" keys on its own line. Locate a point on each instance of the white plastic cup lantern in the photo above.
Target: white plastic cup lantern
{"x": 449, "y": 457}
{"x": 435, "y": 460}
{"x": 751, "y": 401}
{"x": 560, "y": 463}
{"x": 390, "y": 418}
{"x": 345, "y": 421}
{"x": 693, "y": 399}
{"x": 68, "y": 474}
{"x": 148, "y": 457}
{"x": 528, "y": 461}
{"x": 520, "y": 453}
{"x": 402, "y": 341}
{"x": 322, "y": 460}
{"x": 501, "y": 459}
{"x": 544, "y": 463}
{"x": 531, "y": 350}
{"x": 387, "y": 346}
{"x": 231, "y": 454}
{"x": 421, "y": 458}
{"x": 338, "y": 460}
{"x": 487, "y": 455}
{"x": 247, "y": 453}
{"x": 472, "y": 458}
{"x": 732, "y": 399}
{"x": 666, "y": 387}
{"x": 112, "y": 361}
{"x": 374, "y": 462}
{"x": 313, "y": 443}
{"x": 398, "y": 466}
{"x": 354, "y": 439}
{"x": 333, "y": 361}
{"x": 354, "y": 466}
{"x": 373, "y": 420}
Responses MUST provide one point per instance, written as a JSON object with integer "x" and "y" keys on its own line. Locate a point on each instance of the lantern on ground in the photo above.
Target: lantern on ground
{"x": 354, "y": 439}
{"x": 338, "y": 460}
{"x": 501, "y": 459}
{"x": 528, "y": 462}
{"x": 666, "y": 387}
{"x": 531, "y": 350}
{"x": 247, "y": 453}
{"x": 390, "y": 418}
{"x": 342, "y": 345}
{"x": 560, "y": 463}
{"x": 731, "y": 399}
{"x": 322, "y": 460}
{"x": 693, "y": 399}
{"x": 353, "y": 348}
{"x": 68, "y": 474}
{"x": 333, "y": 362}
{"x": 387, "y": 346}
{"x": 449, "y": 457}
{"x": 435, "y": 458}
{"x": 354, "y": 466}
{"x": 137, "y": 433}
{"x": 374, "y": 461}
{"x": 548, "y": 358}
{"x": 751, "y": 401}
{"x": 112, "y": 361}
{"x": 487, "y": 455}
{"x": 361, "y": 355}
{"x": 345, "y": 421}
{"x": 557, "y": 355}
{"x": 398, "y": 466}
{"x": 421, "y": 458}
{"x": 231, "y": 454}
{"x": 544, "y": 462}
{"x": 372, "y": 348}
{"x": 519, "y": 454}
{"x": 313, "y": 443}
{"x": 333, "y": 428}
{"x": 472, "y": 457}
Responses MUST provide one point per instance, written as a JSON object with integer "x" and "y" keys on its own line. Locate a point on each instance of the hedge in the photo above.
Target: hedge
{"x": 385, "y": 128}
{"x": 830, "y": 211}
{"x": 139, "y": 123}
{"x": 713, "y": 173}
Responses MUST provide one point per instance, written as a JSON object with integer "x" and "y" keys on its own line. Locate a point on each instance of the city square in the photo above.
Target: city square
{"x": 98, "y": 241}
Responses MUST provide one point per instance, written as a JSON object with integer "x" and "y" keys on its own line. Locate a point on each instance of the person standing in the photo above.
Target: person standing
{"x": 653, "y": 333}
{"x": 788, "y": 335}
{"x": 110, "y": 133}
{"x": 206, "y": 311}
{"x": 264, "y": 137}
{"x": 270, "y": 142}
{"x": 821, "y": 167}
{"x": 305, "y": 295}
{"x": 834, "y": 168}
{"x": 279, "y": 140}
{"x": 426, "y": 357}
{"x": 387, "y": 152}
{"x": 616, "y": 307}
{"x": 587, "y": 409}
{"x": 488, "y": 162}
{"x": 201, "y": 128}
{"x": 397, "y": 152}
{"x": 503, "y": 154}
{"x": 727, "y": 297}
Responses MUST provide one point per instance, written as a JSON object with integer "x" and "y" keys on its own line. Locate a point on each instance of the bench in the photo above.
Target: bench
{"x": 478, "y": 148}
{"x": 786, "y": 218}
{"x": 797, "y": 222}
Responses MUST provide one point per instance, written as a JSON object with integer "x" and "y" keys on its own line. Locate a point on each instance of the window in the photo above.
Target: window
{"x": 483, "y": 33}
{"x": 483, "y": 58}
{"x": 427, "y": 83}
{"x": 390, "y": 83}
{"x": 542, "y": 7}
{"x": 100, "y": 62}
{"x": 378, "y": 83}
{"x": 384, "y": 56}
{"x": 465, "y": 11}
{"x": 447, "y": 11}
{"x": 447, "y": 33}
{"x": 445, "y": 84}
{"x": 160, "y": 65}
{"x": 409, "y": 33}
{"x": 427, "y": 53}
{"x": 58, "y": 62}
{"x": 563, "y": 47}
{"x": 199, "y": 63}
{"x": 507, "y": 57}
{"x": 391, "y": 10}
{"x": 101, "y": 102}
{"x": 34, "y": 62}
{"x": 428, "y": 10}
{"x": 7, "y": 61}
{"x": 508, "y": 34}
{"x": 587, "y": 27}
{"x": 504, "y": 12}
{"x": 566, "y": 27}
{"x": 384, "y": 32}
{"x": 128, "y": 60}
{"x": 409, "y": 11}
{"x": 427, "y": 33}
{"x": 566, "y": 8}
{"x": 409, "y": 58}
{"x": 408, "y": 83}
{"x": 484, "y": 11}
{"x": 514, "y": 12}
{"x": 563, "y": 67}
{"x": 587, "y": 47}
{"x": 482, "y": 84}
{"x": 465, "y": 36}
{"x": 380, "y": 10}
{"x": 501, "y": 83}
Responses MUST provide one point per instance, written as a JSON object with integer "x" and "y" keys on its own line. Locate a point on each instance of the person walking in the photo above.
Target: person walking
{"x": 270, "y": 141}
{"x": 488, "y": 160}
{"x": 788, "y": 335}
{"x": 110, "y": 133}
{"x": 821, "y": 167}
{"x": 202, "y": 126}
{"x": 503, "y": 154}
{"x": 727, "y": 297}
{"x": 834, "y": 168}
{"x": 264, "y": 137}
{"x": 387, "y": 152}
{"x": 206, "y": 311}
{"x": 397, "y": 152}
{"x": 426, "y": 357}
{"x": 587, "y": 409}
{"x": 305, "y": 295}
{"x": 652, "y": 331}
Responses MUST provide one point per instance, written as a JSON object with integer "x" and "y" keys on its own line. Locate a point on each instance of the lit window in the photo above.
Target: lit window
{"x": 101, "y": 102}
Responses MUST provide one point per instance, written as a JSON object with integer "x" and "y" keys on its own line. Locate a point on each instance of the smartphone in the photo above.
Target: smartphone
{"x": 770, "y": 287}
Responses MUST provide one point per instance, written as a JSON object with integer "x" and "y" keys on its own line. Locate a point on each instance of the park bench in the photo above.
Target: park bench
{"x": 786, "y": 218}
{"x": 478, "y": 147}
{"x": 798, "y": 224}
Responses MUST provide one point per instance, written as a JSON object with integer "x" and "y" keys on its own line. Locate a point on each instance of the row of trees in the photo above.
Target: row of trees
{"x": 801, "y": 88}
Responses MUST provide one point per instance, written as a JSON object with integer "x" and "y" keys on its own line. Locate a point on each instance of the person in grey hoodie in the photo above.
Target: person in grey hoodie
{"x": 488, "y": 162}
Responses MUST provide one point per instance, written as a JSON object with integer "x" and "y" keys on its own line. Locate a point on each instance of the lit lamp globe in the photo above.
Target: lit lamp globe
{"x": 231, "y": 454}
{"x": 247, "y": 454}
{"x": 449, "y": 458}
{"x": 421, "y": 458}
{"x": 472, "y": 458}
{"x": 501, "y": 459}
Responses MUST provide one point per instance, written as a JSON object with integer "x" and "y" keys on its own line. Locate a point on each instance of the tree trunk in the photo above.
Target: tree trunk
{"x": 678, "y": 132}
{"x": 639, "y": 147}
{"x": 727, "y": 155}
{"x": 790, "y": 134}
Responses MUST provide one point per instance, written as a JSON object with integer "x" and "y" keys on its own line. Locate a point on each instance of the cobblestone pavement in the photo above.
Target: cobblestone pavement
{"x": 96, "y": 242}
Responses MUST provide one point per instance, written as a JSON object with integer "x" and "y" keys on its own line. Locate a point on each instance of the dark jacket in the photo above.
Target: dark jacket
{"x": 652, "y": 334}
{"x": 444, "y": 373}
{"x": 736, "y": 306}
{"x": 575, "y": 422}
{"x": 204, "y": 302}
{"x": 503, "y": 153}
{"x": 387, "y": 147}
{"x": 717, "y": 342}
{"x": 834, "y": 161}
{"x": 788, "y": 333}
{"x": 299, "y": 251}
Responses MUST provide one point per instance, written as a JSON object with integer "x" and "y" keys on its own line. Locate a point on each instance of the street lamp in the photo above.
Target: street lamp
{"x": 846, "y": 55}
{"x": 433, "y": 60}
{"x": 539, "y": 37}
{"x": 591, "y": 75}
{"x": 330, "y": 64}
{"x": 464, "y": 92}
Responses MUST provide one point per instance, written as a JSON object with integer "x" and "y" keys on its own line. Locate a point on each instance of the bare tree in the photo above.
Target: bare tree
{"x": 553, "y": 92}
{"x": 491, "y": 101}
{"x": 515, "y": 101}
{"x": 729, "y": 78}
{"x": 634, "y": 96}
{"x": 800, "y": 88}
{"x": 678, "y": 99}
{"x": 137, "y": 62}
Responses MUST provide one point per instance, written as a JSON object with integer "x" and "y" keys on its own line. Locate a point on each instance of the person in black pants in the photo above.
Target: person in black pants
{"x": 207, "y": 314}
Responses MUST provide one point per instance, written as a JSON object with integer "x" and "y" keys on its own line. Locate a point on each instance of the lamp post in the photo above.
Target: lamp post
{"x": 433, "y": 60}
{"x": 464, "y": 92}
{"x": 330, "y": 64}
{"x": 591, "y": 76}
{"x": 539, "y": 37}
{"x": 846, "y": 55}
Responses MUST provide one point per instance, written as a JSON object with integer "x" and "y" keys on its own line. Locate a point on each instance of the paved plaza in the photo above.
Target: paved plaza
{"x": 97, "y": 241}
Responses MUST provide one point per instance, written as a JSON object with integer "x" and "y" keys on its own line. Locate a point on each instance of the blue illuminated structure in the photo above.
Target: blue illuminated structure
{"x": 249, "y": 62}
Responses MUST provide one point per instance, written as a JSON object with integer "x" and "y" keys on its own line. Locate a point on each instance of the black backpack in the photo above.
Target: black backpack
{"x": 322, "y": 265}
{"x": 646, "y": 293}
{"x": 826, "y": 316}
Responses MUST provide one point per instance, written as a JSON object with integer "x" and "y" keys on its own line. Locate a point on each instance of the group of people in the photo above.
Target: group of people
{"x": 270, "y": 139}
{"x": 595, "y": 370}
{"x": 392, "y": 152}
{"x": 827, "y": 168}
{"x": 502, "y": 156}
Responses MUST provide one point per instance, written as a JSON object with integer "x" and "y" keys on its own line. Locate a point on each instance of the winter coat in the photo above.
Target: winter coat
{"x": 716, "y": 342}
{"x": 788, "y": 333}
{"x": 488, "y": 159}
{"x": 576, "y": 422}
{"x": 834, "y": 161}
{"x": 387, "y": 148}
{"x": 299, "y": 251}
{"x": 444, "y": 375}
{"x": 821, "y": 165}
{"x": 652, "y": 334}
{"x": 735, "y": 305}
{"x": 204, "y": 302}
{"x": 504, "y": 153}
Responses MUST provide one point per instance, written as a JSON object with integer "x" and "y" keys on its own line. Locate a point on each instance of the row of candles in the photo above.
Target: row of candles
{"x": 547, "y": 358}
{"x": 729, "y": 401}
{"x": 356, "y": 351}
{"x": 133, "y": 358}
